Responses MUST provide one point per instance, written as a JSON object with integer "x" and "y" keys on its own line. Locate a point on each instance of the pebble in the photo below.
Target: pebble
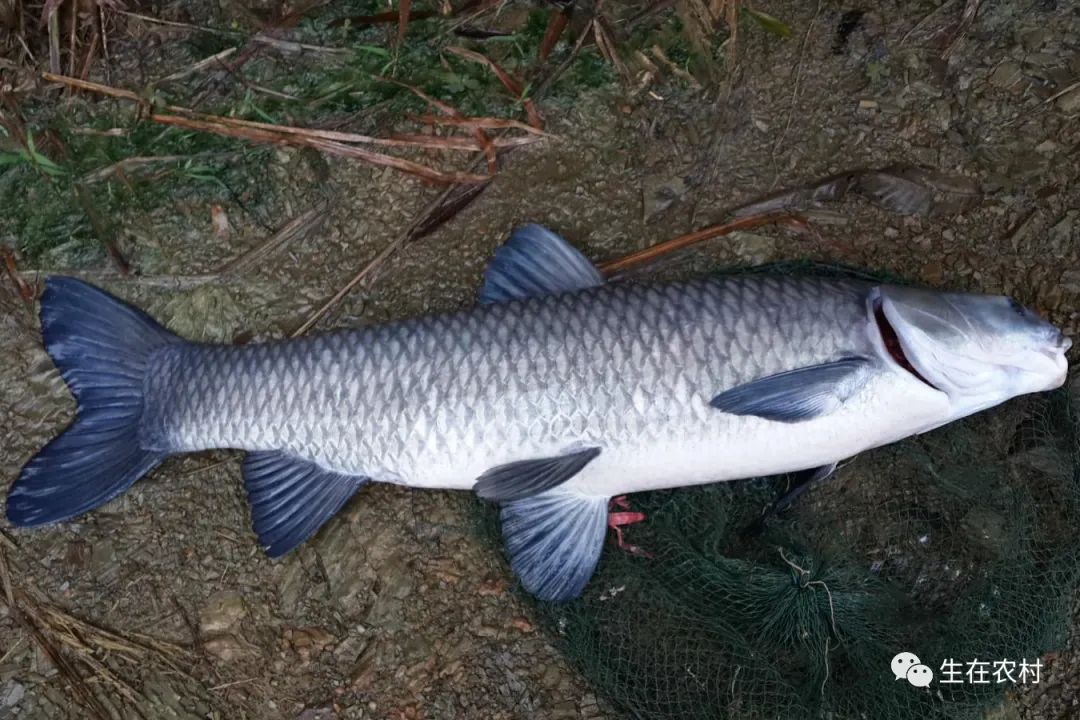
{"x": 12, "y": 694}
{"x": 222, "y": 611}
{"x": 308, "y": 642}
{"x": 522, "y": 624}
{"x": 226, "y": 648}
{"x": 1034, "y": 38}
{"x": 1006, "y": 75}
{"x": 1070, "y": 101}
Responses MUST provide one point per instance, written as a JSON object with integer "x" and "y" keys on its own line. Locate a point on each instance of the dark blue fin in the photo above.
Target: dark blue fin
{"x": 525, "y": 478}
{"x": 292, "y": 497}
{"x": 797, "y": 395}
{"x": 800, "y": 483}
{"x": 535, "y": 262}
{"x": 554, "y": 541}
{"x": 101, "y": 347}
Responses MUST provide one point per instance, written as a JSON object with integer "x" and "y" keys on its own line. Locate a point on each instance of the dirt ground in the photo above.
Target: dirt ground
{"x": 396, "y": 609}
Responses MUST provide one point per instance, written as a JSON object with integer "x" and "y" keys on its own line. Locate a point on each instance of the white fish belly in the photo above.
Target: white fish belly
{"x": 892, "y": 406}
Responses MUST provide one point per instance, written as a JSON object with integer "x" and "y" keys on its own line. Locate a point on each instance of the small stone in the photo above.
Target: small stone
{"x": 350, "y": 649}
{"x": 1070, "y": 101}
{"x": 103, "y": 563}
{"x": 1070, "y": 282}
{"x": 77, "y": 554}
{"x": 868, "y": 105}
{"x": 658, "y": 194}
{"x": 1006, "y": 75}
{"x": 222, "y": 611}
{"x": 226, "y": 648}
{"x": 1047, "y": 147}
{"x": 309, "y": 642}
{"x": 1060, "y": 236}
{"x": 363, "y": 677}
{"x": 566, "y": 710}
{"x": 752, "y": 248}
{"x": 1042, "y": 60}
{"x": 219, "y": 222}
{"x": 926, "y": 156}
{"x": 325, "y": 713}
{"x": 12, "y": 694}
{"x": 521, "y": 624}
{"x": 1034, "y": 38}
{"x": 492, "y": 587}
{"x": 552, "y": 677}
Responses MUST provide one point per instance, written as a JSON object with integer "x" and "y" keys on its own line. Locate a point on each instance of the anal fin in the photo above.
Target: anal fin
{"x": 291, "y": 497}
{"x": 554, "y": 541}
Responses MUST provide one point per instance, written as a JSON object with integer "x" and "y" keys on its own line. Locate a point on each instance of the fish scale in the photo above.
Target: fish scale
{"x": 499, "y": 383}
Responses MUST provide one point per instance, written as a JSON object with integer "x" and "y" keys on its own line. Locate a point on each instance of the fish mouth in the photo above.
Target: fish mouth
{"x": 894, "y": 346}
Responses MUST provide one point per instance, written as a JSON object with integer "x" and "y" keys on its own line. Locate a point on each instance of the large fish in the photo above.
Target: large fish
{"x": 555, "y": 394}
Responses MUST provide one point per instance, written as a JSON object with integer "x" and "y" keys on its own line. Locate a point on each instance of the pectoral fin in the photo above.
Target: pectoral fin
{"x": 554, "y": 541}
{"x": 797, "y": 395}
{"x": 800, "y": 482}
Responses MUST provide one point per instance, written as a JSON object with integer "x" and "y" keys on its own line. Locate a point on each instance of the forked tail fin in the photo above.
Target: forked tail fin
{"x": 102, "y": 347}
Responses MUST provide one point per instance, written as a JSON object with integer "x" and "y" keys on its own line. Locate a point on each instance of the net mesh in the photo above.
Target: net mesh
{"x": 958, "y": 544}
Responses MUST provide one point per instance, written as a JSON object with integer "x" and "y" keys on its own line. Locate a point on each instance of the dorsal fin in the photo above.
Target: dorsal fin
{"x": 535, "y": 262}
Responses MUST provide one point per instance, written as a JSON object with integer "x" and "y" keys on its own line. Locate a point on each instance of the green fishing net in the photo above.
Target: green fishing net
{"x": 959, "y": 546}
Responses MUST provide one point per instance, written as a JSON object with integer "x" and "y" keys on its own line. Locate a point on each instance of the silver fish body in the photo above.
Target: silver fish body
{"x": 558, "y": 392}
{"x": 434, "y": 402}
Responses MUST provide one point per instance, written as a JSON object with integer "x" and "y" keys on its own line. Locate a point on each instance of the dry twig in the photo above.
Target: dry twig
{"x": 328, "y": 141}
{"x": 76, "y": 647}
{"x": 650, "y": 254}
{"x": 302, "y": 225}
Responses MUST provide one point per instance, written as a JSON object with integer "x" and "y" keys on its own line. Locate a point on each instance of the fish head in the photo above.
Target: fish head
{"x": 980, "y": 350}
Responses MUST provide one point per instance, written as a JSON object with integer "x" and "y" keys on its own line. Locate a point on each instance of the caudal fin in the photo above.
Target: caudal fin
{"x": 101, "y": 346}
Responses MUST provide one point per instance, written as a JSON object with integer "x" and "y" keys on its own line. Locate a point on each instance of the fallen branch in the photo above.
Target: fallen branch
{"x": 132, "y": 163}
{"x": 299, "y": 227}
{"x": 558, "y": 18}
{"x": 269, "y": 137}
{"x": 327, "y": 141}
{"x": 260, "y": 38}
{"x": 650, "y": 254}
{"x": 25, "y": 291}
{"x": 77, "y": 648}
{"x": 481, "y": 137}
{"x": 489, "y": 123}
